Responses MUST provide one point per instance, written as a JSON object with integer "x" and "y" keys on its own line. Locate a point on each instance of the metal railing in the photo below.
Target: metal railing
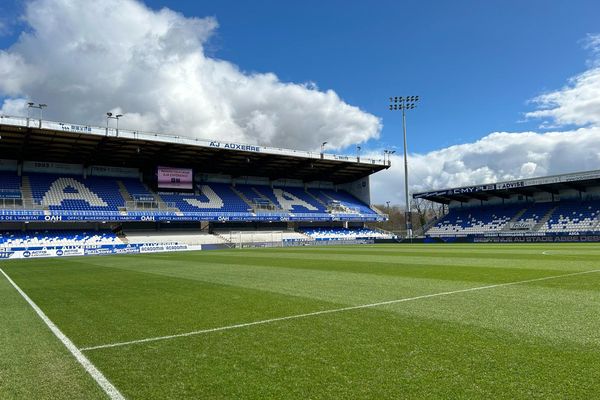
{"x": 166, "y": 138}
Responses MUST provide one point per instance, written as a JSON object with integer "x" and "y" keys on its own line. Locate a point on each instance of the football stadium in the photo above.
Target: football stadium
{"x": 156, "y": 192}
{"x": 232, "y": 200}
{"x": 561, "y": 208}
{"x": 141, "y": 265}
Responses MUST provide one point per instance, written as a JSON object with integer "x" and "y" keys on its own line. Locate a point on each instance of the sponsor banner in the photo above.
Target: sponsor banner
{"x": 235, "y": 146}
{"x": 452, "y": 192}
{"x": 510, "y": 185}
{"x": 8, "y": 165}
{"x": 52, "y": 167}
{"x": 538, "y": 239}
{"x": 9, "y": 194}
{"x": 154, "y": 248}
{"x": 94, "y": 250}
{"x": 76, "y": 128}
{"x": 327, "y": 242}
{"x": 581, "y": 176}
{"x": 122, "y": 172}
{"x": 67, "y": 251}
{"x": 58, "y": 216}
{"x": 143, "y": 197}
{"x": 522, "y": 226}
{"x": 4, "y": 254}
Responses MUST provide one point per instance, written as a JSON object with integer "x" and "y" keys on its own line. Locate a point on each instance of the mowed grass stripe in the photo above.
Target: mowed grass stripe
{"x": 535, "y": 340}
{"x": 346, "y": 287}
{"x": 367, "y": 354}
{"x": 409, "y": 268}
{"x": 33, "y": 363}
{"x": 97, "y": 305}
{"x": 532, "y": 261}
{"x": 335, "y": 310}
{"x": 461, "y": 249}
{"x": 536, "y": 301}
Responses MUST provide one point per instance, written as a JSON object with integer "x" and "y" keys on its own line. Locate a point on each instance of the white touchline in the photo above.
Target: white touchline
{"x": 91, "y": 369}
{"x": 330, "y": 311}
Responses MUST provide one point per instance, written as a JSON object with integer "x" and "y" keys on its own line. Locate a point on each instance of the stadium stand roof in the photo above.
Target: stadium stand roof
{"x": 40, "y": 140}
{"x": 551, "y": 184}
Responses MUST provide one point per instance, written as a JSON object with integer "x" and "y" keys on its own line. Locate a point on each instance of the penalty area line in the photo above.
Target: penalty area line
{"x": 330, "y": 311}
{"x": 108, "y": 388}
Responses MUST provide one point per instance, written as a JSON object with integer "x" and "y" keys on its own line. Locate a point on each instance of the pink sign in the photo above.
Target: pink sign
{"x": 175, "y": 178}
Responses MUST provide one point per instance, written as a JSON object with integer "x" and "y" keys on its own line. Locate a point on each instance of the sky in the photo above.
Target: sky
{"x": 508, "y": 89}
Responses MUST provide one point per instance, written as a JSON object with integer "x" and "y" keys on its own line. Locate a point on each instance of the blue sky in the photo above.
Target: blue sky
{"x": 475, "y": 64}
{"x": 205, "y": 70}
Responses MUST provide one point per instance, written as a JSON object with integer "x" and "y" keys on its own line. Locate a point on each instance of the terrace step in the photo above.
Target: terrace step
{"x": 276, "y": 207}
{"x": 544, "y": 219}
{"x": 316, "y": 198}
{"x": 514, "y": 219}
{"x": 124, "y": 192}
{"x": 161, "y": 203}
{"x": 262, "y": 196}
{"x": 326, "y": 195}
{"x": 242, "y": 196}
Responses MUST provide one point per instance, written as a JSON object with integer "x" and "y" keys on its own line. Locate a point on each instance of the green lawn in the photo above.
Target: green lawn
{"x": 537, "y": 339}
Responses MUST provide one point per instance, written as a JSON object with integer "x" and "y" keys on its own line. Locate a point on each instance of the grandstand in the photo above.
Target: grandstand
{"x": 127, "y": 191}
{"x": 559, "y": 208}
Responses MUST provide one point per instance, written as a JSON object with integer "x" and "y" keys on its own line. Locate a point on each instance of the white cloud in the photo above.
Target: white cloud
{"x": 496, "y": 157}
{"x": 577, "y": 103}
{"x": 83, "y": 58}
{"x": 507, "y": 156}
{"x": 592, "y": 44}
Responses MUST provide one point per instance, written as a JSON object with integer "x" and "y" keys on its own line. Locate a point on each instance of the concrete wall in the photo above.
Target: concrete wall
{"x": 361, "y": 189}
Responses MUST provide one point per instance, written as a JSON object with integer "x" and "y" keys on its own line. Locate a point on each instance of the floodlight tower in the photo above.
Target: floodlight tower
{"x": 39, "y": 106}
{"x": 389, "y": 154}
{"x": 323, "y": 149}
{"x": 110, "y": 115}
{"x": 403, "y": 104}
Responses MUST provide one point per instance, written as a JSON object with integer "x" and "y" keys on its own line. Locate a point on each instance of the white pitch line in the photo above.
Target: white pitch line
{"x": 330, "y": 311}
{"x": 112, "y": 392}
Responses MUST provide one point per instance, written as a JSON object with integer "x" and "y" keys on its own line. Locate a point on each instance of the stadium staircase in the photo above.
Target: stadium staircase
{"x": 161, "y": 203}
{"x": 125, "y": 193}
{"x": 514, "y": 219}
{"x": 391, "y": 234}
{"x": 431, "y": 224}
{"x": 544, "y": 220}
{"x": 597, "y": 225}
{"x": 326, "y": 195}
{"x": 27, "y": 194}
{"x": 226, "y": 240}
{"x": 264, "y": 197}
{"x": 318, "y": 200}
{"x": 378, "y": 211}
{"x": 123, "y": 238}
{"x": 243, "y": 197}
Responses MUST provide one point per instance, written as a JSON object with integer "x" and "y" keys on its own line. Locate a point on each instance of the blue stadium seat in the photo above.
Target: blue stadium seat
{"x": 75, "y": 193}
{"x": 214, "y": 197}
{"x": 345, "y": 233}
{"x": 56, "y": 238}
{"x": 101, "y": 197}
{"x": 344, "y": 198}
{"x": 11, "y": 185}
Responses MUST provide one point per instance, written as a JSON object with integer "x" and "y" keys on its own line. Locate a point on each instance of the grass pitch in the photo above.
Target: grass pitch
{"x": 539, "y": 338}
